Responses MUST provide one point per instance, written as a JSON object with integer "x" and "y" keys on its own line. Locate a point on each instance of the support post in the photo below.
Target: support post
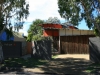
{"x": 59, "y": 43}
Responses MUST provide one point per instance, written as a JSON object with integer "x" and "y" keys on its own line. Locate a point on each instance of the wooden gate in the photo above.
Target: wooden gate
{"x": 75, "y": 44}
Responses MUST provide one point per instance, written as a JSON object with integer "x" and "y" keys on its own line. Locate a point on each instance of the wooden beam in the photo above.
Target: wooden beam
{"x": 59, "y": 42}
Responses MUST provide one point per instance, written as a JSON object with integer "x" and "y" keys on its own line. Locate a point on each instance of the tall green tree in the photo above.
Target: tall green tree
{"x": 35, "y": 31}
{"x": 54, "y": 20}
{"x": 13, "y": 9}
{"x": 75, "y": 11}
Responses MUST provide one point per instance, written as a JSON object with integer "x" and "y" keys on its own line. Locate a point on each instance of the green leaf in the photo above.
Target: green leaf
{"x": 77, "y": 10}
{"x": 35, "y": 31}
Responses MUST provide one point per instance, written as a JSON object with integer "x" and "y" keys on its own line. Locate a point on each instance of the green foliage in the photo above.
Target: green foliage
{"x": 37, "y": 37}
{"x": 96, "y": 32}
{"x": 74, "y": 11}
{"x": 54, "y": 20}
{"x": 18, "y": 25}
{"x": 1, "y": 23}
{"x": 9, "y": 33}
{"x": 35, "y": 31}
{"x": 20, "y": 62}
{"x": 69, "y": 9}
{"x": 93, "y": 68}
{"x": 13, "y": 9}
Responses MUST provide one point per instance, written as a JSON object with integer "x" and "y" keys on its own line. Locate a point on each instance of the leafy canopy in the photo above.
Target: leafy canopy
{"x": 35, "y": 31}
{"x": 75, "y": 11}
{"x": 54, "y": 20}
{"x": 13, "y": 9}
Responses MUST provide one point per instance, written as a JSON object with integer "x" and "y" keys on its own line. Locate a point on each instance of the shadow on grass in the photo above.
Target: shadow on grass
{"x": 17, "y": 64}
{"x": 56, "y": 65}
{"x": 94, "y": 68}
{"x": 66, "y": 66}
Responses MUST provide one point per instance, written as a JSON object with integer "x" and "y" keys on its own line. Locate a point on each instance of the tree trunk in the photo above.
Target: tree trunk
{"x": 94, "y": 22}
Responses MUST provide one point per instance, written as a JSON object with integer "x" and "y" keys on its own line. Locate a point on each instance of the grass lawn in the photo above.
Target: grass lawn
{"x": 20, "y": 62}
{"x": 54, "y": 56}
{"x": 28, "y": 63}
{"x": 93, "y": 67}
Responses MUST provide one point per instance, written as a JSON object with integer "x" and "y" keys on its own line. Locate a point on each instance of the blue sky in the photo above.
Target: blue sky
{"x": 43, "y": 9}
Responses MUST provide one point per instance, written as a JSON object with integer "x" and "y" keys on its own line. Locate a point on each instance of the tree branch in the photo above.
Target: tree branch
{"x": 97, "y": 26}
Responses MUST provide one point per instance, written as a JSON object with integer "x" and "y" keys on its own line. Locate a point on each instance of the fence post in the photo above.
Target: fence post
{"x": 59, "y": 44}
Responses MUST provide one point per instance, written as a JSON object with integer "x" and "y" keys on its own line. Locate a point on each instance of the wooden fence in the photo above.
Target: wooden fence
{"x": 29, "y": 47}
{"x": 68, "y": 45}
{"x": 75, "y": 44}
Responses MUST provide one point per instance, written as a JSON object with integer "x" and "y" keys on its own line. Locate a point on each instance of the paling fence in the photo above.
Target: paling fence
{"x": 75, "y": 44}
{"x": 68, "y": 45}
{"x": 17, "y": 49}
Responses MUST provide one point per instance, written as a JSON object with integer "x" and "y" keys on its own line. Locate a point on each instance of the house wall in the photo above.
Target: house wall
{"x": 51, "y": 32}
{"x": 74, "y": 32}
{"x": 19, "y": 39}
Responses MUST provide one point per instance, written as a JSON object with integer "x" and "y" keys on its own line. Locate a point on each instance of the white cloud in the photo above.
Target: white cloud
{"x": 41, "y": 9}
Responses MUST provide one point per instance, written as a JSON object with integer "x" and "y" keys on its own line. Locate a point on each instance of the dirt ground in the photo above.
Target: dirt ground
{"x": 65, "y": 64}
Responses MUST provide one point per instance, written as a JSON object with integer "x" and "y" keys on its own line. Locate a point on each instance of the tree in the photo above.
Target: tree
{"x": 54, "y": 20}
{"x": 13, "y": 9}
{"x": 35, "y": 31}
{"x": 75, "y": 11}
{"x": 1, "y": 23}
{"x": 18, "y": 25}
